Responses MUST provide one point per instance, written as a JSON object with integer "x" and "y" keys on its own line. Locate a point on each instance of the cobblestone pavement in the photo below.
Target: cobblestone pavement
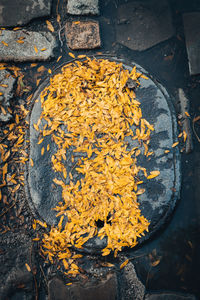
{"x": 36, "y": 37}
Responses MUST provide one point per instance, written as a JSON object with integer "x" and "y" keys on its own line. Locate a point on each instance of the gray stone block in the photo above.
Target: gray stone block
{"x": 20, "y": 12}
{"x": 106, "y": 289}
{"x": 191, "y": 23}
{"x": 143, "y": 25}
{"x": 169, "y": 296}
{"x": 23, "y": 45}
{"x": 6, "y": 88}
{"x": 83, "y": 7}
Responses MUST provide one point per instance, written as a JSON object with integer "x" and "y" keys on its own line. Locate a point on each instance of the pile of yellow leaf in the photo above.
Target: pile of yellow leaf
{"x": 91, "y": 100}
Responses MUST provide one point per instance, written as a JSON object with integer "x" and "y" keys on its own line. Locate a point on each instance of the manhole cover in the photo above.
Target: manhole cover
{"x": 156, "y": 203}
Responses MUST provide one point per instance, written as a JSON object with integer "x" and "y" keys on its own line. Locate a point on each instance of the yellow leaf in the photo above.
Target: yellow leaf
{"x": 42, "y": 151}
{"x": 50, "y": 26}
{"x": 31, "y": 162}
{"x": 4, "y": 43}
{"x": 187, "y": 114}
{"x": 36, "y": 49}
{"x": 28, "y": 267}
{"x": 124, "y": 264}
{"x": 155, "y": 263}
{"x": 71, "y": 54}
{"x": 184, "y": 135}
{"x": 153, "y": 174}
{"x": 175, "y": 144}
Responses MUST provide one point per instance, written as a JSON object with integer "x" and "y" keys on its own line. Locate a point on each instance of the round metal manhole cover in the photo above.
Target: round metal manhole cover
{"x": 159, "y": 199}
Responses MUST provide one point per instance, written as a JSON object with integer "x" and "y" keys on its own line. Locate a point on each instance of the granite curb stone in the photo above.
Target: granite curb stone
{"x": 20, "y": 12}
{"x": 105, "y": 289}
{"x": 23, "y": 45}
{"x": 141, "y": 25}
{"x": 169, "y": 296}
{"x": 83, "y": 7}
{"x": 191, "y": 23}
{"x": 7, "y": 93}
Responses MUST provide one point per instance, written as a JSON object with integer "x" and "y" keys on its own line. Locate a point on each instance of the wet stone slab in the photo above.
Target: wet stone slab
{"x": 23, "y": 45}
{"x": 129, "y": 284}
{"x": 16, "y": 251}
{"x": 169, "y": 296}
{"x": 191, "y": 23}
{"x": 6, "y": 93}
{"x": 161, "y": 192}
{"x": 143, "y": 25}
{"x": 83, "y": 7}
{"x": 13, "y": 13}
{"x": 82, "y": 35}
{"x": 105, "y": 289}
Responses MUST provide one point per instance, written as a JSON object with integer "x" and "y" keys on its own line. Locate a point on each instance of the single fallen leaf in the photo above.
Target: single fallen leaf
{"x": 175, "y": 144}
{"x": 167, "y": 151}
{"x": 184, "y": 135}
{"x": 71, "y": 54}
{"x": 58, "y": 18}
{"x": 3, "y": 110}
{"x": 50, "y": 26}
{"x": 124, "y": 264}
{"x": 187, "y": 114}
{"x": 42, "y": 151}
{"x": 20, "y": 42}
{"x": 36, "y": 49}
{"x": 28, "y": 267}
{"x": 31, "y": 162}
{"x": 153, "y": 174}
{"x": 180, "y": 135}
{"x": 155, "y": 263}
{"x": 4, "y": 43}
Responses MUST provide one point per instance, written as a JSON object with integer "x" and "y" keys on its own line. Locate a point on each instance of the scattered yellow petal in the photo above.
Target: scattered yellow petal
{"x": 36, "y": 49}
{"x": 4, "y": 43}
{"x": 124, "y": 264}
{"x": 153, "y": 174}
{"x": 42, "y": 151}
{"x": 31, "y": 162}
{"x": 28, "y": 267}
{"x": 71, "y": 54}
{"x": 184, "y": 135}
{"x": 175, "y": 144}
{"x": 50, "y": 26}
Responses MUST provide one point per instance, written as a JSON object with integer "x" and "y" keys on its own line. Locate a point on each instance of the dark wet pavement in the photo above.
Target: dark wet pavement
{"x": 170, "y": 261}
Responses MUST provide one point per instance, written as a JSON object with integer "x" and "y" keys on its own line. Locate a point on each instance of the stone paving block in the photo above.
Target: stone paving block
{"x": 130, "y": 285}
{"x": 13, "y": 13}
{"x": 7, "y": 93}
{"x": 83, "y": 7}
{"x": 14, "y": 275}
{"x": 169, "y": 296}
{"x": 143, "y": 25}
{"x": 191, "y": 23}
{"x": 22, "y": 45}
{"x": 106, "y": 289}
{"x": 82, "y": 35}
